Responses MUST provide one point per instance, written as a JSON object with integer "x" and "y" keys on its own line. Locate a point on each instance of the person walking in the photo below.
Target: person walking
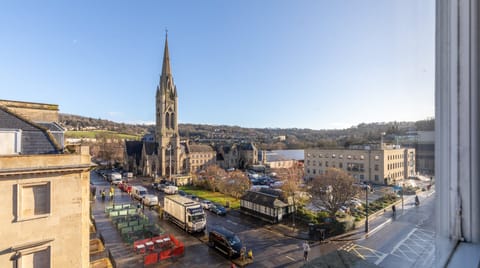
{"x": 393, "y": 210}
{"x": 306, "y": 249}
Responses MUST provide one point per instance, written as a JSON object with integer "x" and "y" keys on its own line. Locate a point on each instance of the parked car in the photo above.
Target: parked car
{"x": 206, "y": 204}
{"x": 182, "y": 193}
{"x": 155, "y": 185}
{"x": 161, "y": 187}
{"x": 194, "y": 197}
{"x": 225, "y": 241}
{"x": 218, "y": 209}
{"x": 170, "y": 189}
{"x": 138, "y": 192}
{"x": 150, "y": 200}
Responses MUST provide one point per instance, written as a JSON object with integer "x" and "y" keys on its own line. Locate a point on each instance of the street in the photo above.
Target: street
{"x": 270, "y": 247}
{"x": 406, "y": 240}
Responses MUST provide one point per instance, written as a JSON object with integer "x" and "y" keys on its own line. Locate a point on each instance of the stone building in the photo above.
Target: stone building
{"x": 238, "y": 156}
{"x": 387, "y": 164}
{"x": 199, "y": 157}
{"x": 44, "y": 190}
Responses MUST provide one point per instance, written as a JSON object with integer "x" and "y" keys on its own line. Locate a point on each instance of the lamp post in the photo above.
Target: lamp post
{"x": 403, "y": 189}
{"x": 366, "y": 207}
{"x": 169, "y": 148}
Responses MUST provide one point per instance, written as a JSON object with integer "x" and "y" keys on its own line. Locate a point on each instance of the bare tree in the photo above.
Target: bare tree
{"x": 237, "y": 183}
{"x": 333, "y": 189}
{"x": 292, "y": 179}
{"x": 214, "y": 176}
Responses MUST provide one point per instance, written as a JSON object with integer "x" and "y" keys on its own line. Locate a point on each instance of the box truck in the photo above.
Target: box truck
{"x": 184, "y": 212}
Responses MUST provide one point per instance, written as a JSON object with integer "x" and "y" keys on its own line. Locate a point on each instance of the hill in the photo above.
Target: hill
{"x": 266, "y": 138}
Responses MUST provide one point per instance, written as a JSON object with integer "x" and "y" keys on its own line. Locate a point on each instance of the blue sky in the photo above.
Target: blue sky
{"x": 306, "y": 64}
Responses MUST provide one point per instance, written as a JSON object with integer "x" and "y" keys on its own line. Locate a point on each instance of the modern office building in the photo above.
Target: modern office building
{"x": 386, "y": 164}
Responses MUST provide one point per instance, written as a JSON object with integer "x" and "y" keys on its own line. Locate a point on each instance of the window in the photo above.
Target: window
{"x": 11, "y": 141}
{"x": 376, "y": 178}
{"x": 376, "y": 167}
{"x": 33, "y": 200}
{"x": 340, "y": 165}
{"x": 37, "y": 254}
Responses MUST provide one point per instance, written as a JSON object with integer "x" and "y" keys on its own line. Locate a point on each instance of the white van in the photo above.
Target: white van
{"x": 138, "y": 192}
{"x": 170, "y": 189}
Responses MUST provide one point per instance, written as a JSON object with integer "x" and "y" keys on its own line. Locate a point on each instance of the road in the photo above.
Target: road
{"x": 404, "y": 241}
{"x": 270, "y": 248}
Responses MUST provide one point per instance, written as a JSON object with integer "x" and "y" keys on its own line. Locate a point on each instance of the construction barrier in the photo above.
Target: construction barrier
{"x": 158, "y": 248}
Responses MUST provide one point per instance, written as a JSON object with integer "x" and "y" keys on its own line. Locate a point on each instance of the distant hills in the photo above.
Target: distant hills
{"x": 266, "y": 138}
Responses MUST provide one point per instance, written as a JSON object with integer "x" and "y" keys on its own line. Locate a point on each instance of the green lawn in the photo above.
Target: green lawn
{"x": 93, "y": 134}
{"x": 215, "y": 197}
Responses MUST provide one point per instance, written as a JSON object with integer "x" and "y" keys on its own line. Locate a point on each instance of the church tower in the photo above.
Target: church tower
{"x": 166, "y": 132}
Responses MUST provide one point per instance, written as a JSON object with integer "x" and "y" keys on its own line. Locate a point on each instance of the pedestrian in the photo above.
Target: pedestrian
{"x": 103, "y": 195}
{"x": 110, "y": 194}
{"x": 306, "y": 249}
{"x": 393, "y": 210}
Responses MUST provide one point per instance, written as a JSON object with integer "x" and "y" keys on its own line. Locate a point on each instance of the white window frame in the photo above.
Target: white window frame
{"x": 457, "y": 132}
{"x": 20, "y": 187}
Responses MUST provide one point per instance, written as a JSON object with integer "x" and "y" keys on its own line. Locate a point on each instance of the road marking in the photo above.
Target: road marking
{"x": 292, "y": 259}
{"x": 234, "y": 223}
{"x": 403, "y": 240}
{"x": 376, "y": 229}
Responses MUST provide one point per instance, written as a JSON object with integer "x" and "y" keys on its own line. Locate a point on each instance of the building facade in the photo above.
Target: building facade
{"x": 383, "y": 165}
{"x": 199, "y": 157}
{"x": 44, "y": 191}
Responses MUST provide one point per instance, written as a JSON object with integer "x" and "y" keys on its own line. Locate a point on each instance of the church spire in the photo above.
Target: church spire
{"x": 166, "y": 58}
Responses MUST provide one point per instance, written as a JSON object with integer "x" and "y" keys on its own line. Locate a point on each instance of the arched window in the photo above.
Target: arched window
{"x": 172, "y": 119}
{"x": 167, "y": 120}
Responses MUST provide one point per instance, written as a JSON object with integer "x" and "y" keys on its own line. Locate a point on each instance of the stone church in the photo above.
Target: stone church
{"x": 165, "y": 155}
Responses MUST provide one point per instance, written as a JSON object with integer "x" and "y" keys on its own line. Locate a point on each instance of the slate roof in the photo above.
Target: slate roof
{"x": 35, "y": 138}
{"x": 246, "y": 146}
{"x": 51, "y": 126}
{"x": 199, "y": 148}
{"x": 134, "y": 149}
{"x": 150, "y": 148}
{"x": 268, "y": 200}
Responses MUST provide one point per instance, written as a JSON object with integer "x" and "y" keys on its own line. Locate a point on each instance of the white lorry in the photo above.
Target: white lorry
{"x": 184, "y": 212}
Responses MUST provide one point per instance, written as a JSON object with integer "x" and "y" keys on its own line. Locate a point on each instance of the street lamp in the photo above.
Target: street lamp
{"x": 169, "y": 148}
{"x": 367, "y": 188}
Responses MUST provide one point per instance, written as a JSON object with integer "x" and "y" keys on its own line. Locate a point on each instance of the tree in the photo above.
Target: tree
{"x": 333, "y": 189}
{"x": 291, "y": 185}
{"x": 237, "y": 183}
{"x": 214, "y": 176}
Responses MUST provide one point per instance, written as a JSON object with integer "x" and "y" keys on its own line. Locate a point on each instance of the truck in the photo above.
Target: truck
{"x": 185, "y": 213}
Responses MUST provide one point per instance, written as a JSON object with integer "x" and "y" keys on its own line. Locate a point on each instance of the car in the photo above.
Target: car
{"x": 182, "y": 193}
{"x": 170, "y": 189}
{"x": 225, "y": 241}
{"x": 161, "y": 187}
{"x": 206, "y": 204}
{"x": 218, "y": 209}
{"x": 194, "y": 197}
{"x": 150, "y": 200}
{"x": 155, "y": 185}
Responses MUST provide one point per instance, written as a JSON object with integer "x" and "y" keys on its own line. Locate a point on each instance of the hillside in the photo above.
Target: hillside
{"x": 267, "y": 138}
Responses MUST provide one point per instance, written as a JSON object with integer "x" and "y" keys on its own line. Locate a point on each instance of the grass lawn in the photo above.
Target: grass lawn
{"x": 215, "y": 197}
{"x": 93, "y": 134}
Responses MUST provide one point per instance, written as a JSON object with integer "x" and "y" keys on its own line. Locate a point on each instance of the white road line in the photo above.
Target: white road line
{"x": 403, "y": 240}
{"x": 376, "y": 229}
{"x": 234, "y": 223}
{"x": 292, "y": 259}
